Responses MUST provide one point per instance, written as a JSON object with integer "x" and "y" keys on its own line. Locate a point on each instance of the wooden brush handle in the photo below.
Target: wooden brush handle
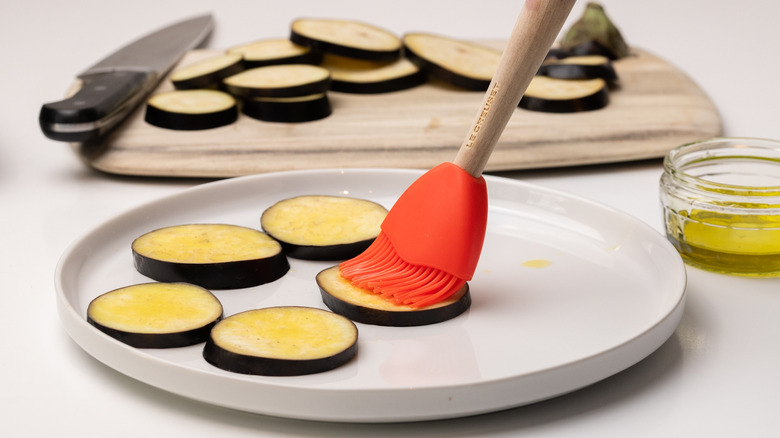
{"x": 536, "y": 28}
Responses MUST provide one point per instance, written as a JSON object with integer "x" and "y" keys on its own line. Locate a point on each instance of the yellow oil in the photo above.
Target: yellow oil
{"x": 742, "y": 244}
{"x": 536, "y": 263}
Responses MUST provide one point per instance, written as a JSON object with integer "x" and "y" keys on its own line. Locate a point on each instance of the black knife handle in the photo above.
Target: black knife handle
{"x": 102, "y": 102}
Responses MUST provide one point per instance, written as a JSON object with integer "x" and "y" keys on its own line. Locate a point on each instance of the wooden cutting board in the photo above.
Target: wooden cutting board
{"x": 655, "y": 108}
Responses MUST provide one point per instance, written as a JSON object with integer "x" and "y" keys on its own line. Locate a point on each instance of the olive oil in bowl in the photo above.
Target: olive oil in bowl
{"x": 721, "y": 205}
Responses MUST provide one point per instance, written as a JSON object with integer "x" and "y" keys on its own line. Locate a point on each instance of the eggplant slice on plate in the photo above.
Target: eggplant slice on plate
{"x": 156, "y": 315}
{"x": 318, "y": 227}
{"x": 282, "y": 341}
{"x": 361, "y": 305}
{"x": 214, "y": 256}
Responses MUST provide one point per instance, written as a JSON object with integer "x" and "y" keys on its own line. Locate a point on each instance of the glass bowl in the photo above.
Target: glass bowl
{"x": 721, "y": 204}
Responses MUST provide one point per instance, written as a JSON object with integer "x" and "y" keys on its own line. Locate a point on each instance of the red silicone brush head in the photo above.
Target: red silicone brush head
{"x": 430, "y": 242}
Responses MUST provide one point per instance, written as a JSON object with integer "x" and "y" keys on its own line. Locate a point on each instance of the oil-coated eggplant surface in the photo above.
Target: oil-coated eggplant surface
{"x": 361, "y": 305}
{"x": 282, "y": 341}
{"x": 156, "y": 315}
{"x": 315, "y": 227}
{"x": 215, "y": 256}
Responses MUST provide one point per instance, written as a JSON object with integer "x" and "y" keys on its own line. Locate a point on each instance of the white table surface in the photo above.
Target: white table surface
{"x": 716, "y": 376}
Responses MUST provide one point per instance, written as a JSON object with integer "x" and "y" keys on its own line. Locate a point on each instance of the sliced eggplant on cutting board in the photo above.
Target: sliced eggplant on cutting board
{"x": 274, "y": 51}
{"x": 350, "y": 75}
{"x": 350, "y": 38}
{"x": 191, "y": 110}
{"x": 288, "y": 80}
{"x": 553, "y": 95}
{"x": 288, "y": 109}
{"x": 580, "y": 67}
{"x": 421, "y": 127}
{"x": 207, "y": 73}
{"x": 460, "y": 63}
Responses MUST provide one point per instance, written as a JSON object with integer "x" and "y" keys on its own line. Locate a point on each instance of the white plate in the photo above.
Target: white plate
{"x": 567, "y": 293}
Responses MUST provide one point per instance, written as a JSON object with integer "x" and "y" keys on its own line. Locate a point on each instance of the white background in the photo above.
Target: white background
{"x": 717, "y": 376}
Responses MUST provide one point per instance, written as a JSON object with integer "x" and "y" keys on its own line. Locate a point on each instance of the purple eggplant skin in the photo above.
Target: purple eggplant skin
{"x": 579, "y": 71}
{"x": 389, "y": 318}
{"x": 592, "y": 47}
{"x": 264, "y": 366}
{"x": 557, "y": 53}
{"x": 445, "y": 75}
{"x": 291, "y": 91}
{"x": 287, "y": 112}
{"x": 589, "y": 103}
{"x": 190, "y": 122}
{"x": 221, "y": 275}
{"x": 343, "y": 251}
{"x": 388, "y": 86}
{"x": 158, "y": 340}
{"x": 320, "y": 46}
{"x": 351, "y": 236}
{"x": 311, "y": 57}
{"x": 210, "y": 80}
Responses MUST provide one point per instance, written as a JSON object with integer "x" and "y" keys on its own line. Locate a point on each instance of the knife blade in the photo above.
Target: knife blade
{"x": 115, "y": 85}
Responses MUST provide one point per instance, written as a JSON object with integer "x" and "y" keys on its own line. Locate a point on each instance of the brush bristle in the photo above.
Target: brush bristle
{"x": 381, "y": 270}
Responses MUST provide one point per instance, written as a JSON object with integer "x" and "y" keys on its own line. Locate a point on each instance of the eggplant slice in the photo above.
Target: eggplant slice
{"x": 357, "y": 76}
{"x": 353, "y": 39}
{"x": 156, "y": 315}
{"x": 557, "y": 53}
{"x": 282, "y": 341}
{"x": 593, "y": 47}
{"x": 293, "y": 80}
{"x": 552, "y": 95}
{"x": 207, "y": 73}
{"x": 288, "y": 109}
{"x": 275, "y": 52}
{"x": 188, "y": 110}
{"x": 580, "y": 67}
{"x": 319, "y": 227}
{"x": 460, "y": 63}
{"x": 361, "y": 305}
{"x": 214, "y": 256}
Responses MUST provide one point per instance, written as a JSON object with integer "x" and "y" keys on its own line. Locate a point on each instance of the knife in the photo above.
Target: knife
{"x": 114, "y": 86}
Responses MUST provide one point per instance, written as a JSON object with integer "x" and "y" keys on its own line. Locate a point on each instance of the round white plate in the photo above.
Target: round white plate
{"x": 567, "y": 292}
